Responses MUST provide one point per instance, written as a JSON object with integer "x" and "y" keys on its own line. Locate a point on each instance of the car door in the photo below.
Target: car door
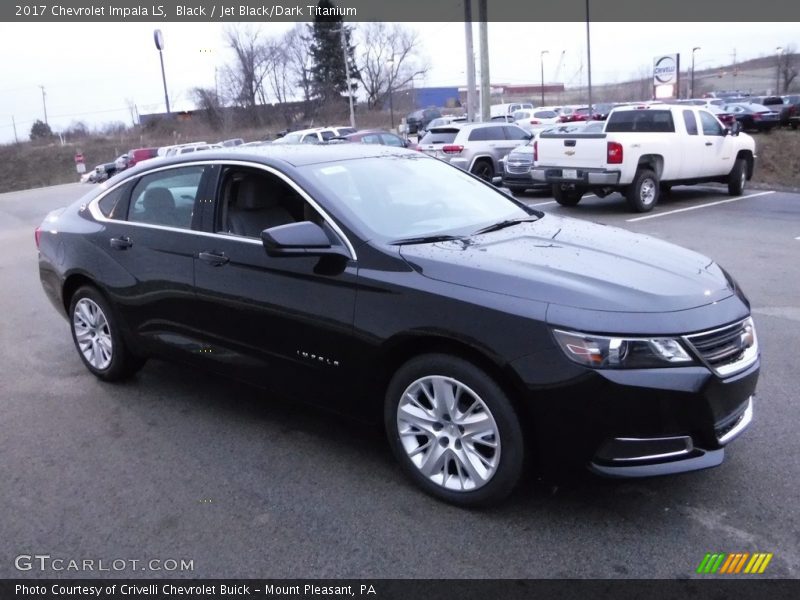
{"x": 694, "y": 148}
{"x": 152, "y": 231}
{"x": 283, "y": 322}
{"x": 720, "y": 151}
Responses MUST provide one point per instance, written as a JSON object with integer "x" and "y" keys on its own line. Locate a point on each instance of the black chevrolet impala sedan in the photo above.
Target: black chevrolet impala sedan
{"x": 390, "y": 285}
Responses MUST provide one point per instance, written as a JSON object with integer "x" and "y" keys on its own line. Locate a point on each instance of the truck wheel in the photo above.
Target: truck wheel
{"x": 568, "y": 195}
{"x": 737, "y": 179}
{"x": 643, "y": 193}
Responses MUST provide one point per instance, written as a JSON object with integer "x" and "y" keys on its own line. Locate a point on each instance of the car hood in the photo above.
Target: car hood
{"x": 576, "y": 263}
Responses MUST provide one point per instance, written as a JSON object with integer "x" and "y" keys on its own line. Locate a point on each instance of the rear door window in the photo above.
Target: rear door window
{"x": 690, "y": 121}
{"x": 166, "y": 198}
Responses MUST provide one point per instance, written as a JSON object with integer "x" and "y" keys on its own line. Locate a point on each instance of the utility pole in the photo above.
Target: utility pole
{"x": 589, "y": 60}
{"x": 14, "y": 125}
{"x": 347, "y": 75}
{"x": 483, "y": 28}
{"x": 44, "y": 105}
{"x": 470, "y": 61}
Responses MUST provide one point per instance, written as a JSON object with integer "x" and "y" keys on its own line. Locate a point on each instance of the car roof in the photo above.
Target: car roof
{"x": 281, "y": 155}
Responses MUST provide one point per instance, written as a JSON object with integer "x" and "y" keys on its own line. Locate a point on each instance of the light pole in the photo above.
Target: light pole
{"x": 390, "y": 63}
{"x": 158, "y": 38}
{"x": 541, "y": 65}
{"x": 695, "y": 49}
{"x": 779, "y": 50}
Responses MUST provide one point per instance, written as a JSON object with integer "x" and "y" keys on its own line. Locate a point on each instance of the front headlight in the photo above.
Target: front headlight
{"x": 601, "y": 352}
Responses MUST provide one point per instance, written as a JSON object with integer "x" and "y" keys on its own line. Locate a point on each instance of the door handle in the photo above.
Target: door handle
{"x": 120, "y": 243}
{"x": 215, "y": 259}
{"x": 709, "y": 144}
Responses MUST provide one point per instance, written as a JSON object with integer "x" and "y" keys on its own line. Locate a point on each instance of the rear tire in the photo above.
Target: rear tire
{"x": 568, "y": 195}
{"x": 454, "y": 431}
{"x": 97, "y": 336}
{"x": 643, "y": 193}
{"x": 737, "y": 179}
{"x": 484, "y": 170}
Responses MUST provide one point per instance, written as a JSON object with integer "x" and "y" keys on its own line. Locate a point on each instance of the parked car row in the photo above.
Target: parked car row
{"x": 135, "y": 156}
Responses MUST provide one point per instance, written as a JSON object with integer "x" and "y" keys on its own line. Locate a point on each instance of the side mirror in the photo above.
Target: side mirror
{"x": 299, "y": 239}
{"x": 735, "y": 128}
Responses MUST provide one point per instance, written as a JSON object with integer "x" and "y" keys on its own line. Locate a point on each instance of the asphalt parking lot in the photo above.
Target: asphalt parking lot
{"x": 179, "y": 465}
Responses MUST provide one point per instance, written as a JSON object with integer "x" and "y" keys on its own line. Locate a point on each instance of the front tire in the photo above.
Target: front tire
{"x": 454, "y": 431}
{"x": 97, "y": 336}
{"x": 568, "y": 195}
{"x": 737, "y": 179}
{"x": 643, "y": 192}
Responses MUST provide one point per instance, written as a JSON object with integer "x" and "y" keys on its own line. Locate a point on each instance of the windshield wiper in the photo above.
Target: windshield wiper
{"x": 507, "y": 223}
{"x": 427, "y": 239}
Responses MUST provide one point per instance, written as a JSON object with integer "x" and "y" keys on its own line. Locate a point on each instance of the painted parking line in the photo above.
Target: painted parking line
{"x": 553, "y": 201}
{"x": 680, "y": 210}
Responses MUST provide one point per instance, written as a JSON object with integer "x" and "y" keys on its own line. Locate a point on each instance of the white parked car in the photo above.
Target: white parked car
{"x": 535, "y": 118}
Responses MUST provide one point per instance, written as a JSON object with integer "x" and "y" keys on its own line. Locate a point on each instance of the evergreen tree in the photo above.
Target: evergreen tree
{"x": 41, "y": 131}
{"x": 328, "y": 75}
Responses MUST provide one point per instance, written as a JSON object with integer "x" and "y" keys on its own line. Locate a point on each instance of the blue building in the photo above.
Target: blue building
{"x": 436, "y": 96}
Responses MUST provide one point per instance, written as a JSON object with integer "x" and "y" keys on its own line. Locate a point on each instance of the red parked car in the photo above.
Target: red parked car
{"x": 139, "y": 154}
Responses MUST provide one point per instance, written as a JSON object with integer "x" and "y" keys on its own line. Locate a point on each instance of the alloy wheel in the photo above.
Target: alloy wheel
{"x": 92, "y": 333}
{"x": 448, "y": 433}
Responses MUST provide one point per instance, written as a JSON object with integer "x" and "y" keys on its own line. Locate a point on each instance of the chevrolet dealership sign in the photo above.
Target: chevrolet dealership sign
{"x": 666, "y": 76}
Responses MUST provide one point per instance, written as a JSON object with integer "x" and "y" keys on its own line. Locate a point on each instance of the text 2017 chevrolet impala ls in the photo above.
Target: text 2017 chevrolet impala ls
{"x": 389, "y": 284}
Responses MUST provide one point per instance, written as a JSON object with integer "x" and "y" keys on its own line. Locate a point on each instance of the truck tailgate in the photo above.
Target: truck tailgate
{"x": 569, "y": 150}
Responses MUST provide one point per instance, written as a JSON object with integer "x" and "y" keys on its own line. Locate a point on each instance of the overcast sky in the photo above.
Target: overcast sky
{"x": 91, "y": 72}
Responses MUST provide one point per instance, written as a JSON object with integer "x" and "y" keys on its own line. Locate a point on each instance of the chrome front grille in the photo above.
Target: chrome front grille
{"x": 518, "y": 169}
{"x": 727, "y": 349}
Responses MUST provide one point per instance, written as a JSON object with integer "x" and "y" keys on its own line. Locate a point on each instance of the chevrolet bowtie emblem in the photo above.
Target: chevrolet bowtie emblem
{"x": 569, "y": 152}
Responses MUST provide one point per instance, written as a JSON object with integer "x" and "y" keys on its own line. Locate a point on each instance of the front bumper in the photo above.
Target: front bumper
{"x": 638, "y": 422}
{"x": 580, "y": 176}
{"x": 648, "y": 457}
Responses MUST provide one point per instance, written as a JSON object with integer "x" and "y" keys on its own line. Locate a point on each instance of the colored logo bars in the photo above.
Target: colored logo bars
{"x": 730, "y": 564}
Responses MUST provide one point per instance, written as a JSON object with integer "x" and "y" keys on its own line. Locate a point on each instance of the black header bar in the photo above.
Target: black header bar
{"x": 400, "y": 11}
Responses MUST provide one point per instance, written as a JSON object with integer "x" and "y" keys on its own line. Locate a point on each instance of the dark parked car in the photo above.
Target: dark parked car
{"x": 385, "y": 283}
{"x": 754, "y": 117}
{"x": 792, "y": 102}
{"x": 375, "y": 136}
{"x": 418, "y": 120}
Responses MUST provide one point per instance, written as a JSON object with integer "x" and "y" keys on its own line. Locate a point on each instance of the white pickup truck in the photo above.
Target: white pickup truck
{"x": 642, "y": 151}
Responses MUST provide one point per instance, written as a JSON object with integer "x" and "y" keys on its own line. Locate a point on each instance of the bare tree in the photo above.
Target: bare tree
{"x": 389, "y": 59}
{"x": 297, "y": 44}
{"x": 208, "y": 100}
{"x": 788, "y": 66}
{"x": 244, "y": 79}
{"x": 278, "y": 61}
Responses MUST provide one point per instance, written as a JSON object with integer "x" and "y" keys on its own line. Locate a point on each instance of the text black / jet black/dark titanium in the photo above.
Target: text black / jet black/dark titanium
{"x": 391, "y": 285}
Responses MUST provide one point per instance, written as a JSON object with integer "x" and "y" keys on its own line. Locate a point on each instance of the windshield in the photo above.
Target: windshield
{"x": 411, "y": 195}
